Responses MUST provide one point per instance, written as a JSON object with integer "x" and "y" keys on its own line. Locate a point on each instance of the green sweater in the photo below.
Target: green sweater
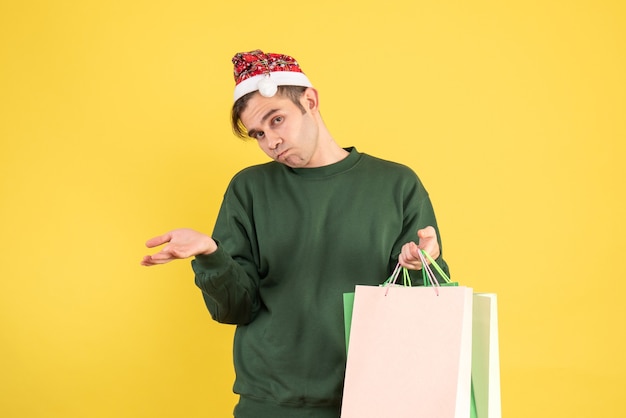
{"x": 290, "y": 243}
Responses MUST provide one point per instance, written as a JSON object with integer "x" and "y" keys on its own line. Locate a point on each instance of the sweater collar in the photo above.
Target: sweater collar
{"x": 332, "y": 169}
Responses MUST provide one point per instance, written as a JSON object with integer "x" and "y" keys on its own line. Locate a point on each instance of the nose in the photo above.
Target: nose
{"x": 273, "y": 140}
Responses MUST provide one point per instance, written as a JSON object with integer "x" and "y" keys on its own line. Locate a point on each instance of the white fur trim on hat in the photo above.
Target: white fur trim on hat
{"x": 280, "y": 78}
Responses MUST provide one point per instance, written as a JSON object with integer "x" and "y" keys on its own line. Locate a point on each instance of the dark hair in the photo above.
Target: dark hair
{"x": 291, "y": 92}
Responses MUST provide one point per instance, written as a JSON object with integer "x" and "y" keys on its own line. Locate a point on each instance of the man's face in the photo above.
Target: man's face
{"x": 282, "y": 130}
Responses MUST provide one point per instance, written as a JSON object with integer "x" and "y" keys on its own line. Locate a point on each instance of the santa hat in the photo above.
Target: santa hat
{"x": 256, "y": 70}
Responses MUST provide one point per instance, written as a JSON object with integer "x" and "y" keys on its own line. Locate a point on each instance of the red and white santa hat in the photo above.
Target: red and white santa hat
{"x": 257, "y": 70}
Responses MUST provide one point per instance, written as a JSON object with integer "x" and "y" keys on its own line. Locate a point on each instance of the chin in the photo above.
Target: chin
{"x": 290, "y": 161}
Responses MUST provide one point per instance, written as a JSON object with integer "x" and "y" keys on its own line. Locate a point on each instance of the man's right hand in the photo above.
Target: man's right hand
{"x": 180, "y": 243}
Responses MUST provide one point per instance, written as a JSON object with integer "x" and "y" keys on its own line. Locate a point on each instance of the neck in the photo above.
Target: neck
{"x": 328, "y": 151}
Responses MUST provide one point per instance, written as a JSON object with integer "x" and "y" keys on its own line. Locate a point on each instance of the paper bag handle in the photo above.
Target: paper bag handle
{"x": 406, "y": 279}
{"x": 427, "y": 271}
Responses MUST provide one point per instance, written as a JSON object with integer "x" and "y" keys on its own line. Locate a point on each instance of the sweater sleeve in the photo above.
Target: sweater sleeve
{"x": 418, "y": 214}
{"x": 229, "y": 278}
{"x": 229, "y": 294}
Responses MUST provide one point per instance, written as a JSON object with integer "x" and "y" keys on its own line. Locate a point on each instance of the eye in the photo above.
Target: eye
{"x": 277, "y": 120}
{"x": 258, "y": 135}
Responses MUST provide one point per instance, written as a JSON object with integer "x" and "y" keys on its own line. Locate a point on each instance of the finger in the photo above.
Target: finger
{"x": 432, "y": 249}
{"x": 156, "y": 241}
{"x": 156, "y": 259}
{"x": 414, "y": 250}
{"x": 428, "y": 241}
{"x": 405, "y": 255}
{"x": 426, "y": 233}
{"x": 416, "y": 265}
{"x": 410, "y": 252}
{"x": 148, "y": 261}
{"x": 165, "y": 254}
{"x": 409, "y": 258}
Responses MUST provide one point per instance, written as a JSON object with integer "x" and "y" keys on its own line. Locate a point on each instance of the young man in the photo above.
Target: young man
{"x": 292, "y": 236}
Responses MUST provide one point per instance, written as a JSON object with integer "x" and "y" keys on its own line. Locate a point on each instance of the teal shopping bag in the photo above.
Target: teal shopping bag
{"x": 348, "y": 304}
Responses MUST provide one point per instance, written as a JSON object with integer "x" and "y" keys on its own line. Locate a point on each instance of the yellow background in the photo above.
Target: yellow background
{"x": 114, "y": 128}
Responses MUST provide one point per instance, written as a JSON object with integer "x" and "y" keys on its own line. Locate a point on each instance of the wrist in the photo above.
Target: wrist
{"x": 210, "y": 247}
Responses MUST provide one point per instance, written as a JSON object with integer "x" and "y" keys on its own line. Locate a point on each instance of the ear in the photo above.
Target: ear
{"x": 310, "y": 99}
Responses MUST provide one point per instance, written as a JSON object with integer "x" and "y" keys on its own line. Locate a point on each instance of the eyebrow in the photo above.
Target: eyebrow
{"x": 252, "y": 132}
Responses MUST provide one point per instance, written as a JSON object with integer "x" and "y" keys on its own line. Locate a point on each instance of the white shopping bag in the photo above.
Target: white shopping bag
{"x": 409, "y": 353}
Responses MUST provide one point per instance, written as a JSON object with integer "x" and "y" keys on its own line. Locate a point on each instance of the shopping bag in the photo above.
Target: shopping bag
{"x": 485, "y": 388}
{"x": 486, "y": 356}
{"x": 409, "y": 352}
{"x": 348, "y": 304}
